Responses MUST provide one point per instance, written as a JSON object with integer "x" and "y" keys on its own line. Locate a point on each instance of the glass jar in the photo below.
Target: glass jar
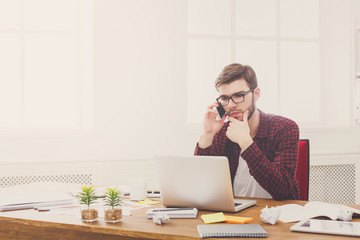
{"x": 112, "y": 214}
{"x": 89, "y": 213}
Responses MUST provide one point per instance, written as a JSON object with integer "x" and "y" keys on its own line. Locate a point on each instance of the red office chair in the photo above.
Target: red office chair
{"x": 302, "y": 171}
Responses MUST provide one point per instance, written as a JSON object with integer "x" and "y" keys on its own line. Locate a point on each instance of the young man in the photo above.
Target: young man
{"x": 262, "y": 148}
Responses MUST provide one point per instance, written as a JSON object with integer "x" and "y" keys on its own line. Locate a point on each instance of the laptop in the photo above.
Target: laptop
{"x": 202, "y": 182}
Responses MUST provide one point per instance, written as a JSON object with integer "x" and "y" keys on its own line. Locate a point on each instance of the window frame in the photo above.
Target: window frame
{"x": 316, "y": 126}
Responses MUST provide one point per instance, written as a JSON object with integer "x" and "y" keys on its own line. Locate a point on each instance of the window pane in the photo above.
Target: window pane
{"x": 57, "y": 15}
{"x": 299, "y": 18}
{"x": 209, "y": 16}
{"x": 10, "y": 84}
{"x": 261, "y": 56}
{"x": 50, "y": 80}
{"x": 256, "y": 18}
{"x": 300, "y": 78}
{"x": 202, "y": 72}
{"x": 10, "y": 14}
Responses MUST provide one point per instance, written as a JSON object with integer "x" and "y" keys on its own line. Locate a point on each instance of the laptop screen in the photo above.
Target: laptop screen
{"x": 196, "y": 181}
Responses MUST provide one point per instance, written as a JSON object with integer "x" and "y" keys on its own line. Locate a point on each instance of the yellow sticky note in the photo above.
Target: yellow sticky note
{"x": 236, "y": 219}
{"x": 213, "y": 217}
{"x": 149, "y": 201}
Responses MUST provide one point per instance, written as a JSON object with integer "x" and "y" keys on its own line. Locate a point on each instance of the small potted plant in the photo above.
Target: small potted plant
{"x": 87, "y": 199}
{"x": 113, "y": 211}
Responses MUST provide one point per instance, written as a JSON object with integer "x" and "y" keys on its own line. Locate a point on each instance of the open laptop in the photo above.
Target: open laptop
{"x": 202, "y": 182}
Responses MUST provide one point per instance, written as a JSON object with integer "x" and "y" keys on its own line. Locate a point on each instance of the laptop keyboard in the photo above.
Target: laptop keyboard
{"x": 238, "y": 204}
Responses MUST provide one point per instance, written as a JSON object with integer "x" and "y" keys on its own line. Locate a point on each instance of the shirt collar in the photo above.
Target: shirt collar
{"x": 263, "y": 128}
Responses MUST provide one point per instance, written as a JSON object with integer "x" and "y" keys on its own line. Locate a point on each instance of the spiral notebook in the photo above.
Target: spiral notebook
{"x": 231, "y": 230}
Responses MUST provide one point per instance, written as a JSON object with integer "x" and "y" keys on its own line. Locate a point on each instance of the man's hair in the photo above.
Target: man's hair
{"x": 234, "y": 72}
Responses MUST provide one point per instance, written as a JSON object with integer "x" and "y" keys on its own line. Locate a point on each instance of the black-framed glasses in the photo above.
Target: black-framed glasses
{"x": 238, "y": 97}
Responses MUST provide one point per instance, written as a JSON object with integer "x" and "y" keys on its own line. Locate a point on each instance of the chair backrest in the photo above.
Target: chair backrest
{"x": 302, "y": 171}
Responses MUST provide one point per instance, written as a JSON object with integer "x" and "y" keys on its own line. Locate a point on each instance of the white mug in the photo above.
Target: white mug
{"x": 138, "y": 189}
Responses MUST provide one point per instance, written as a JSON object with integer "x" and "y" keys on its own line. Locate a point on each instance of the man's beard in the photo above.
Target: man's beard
{"x": 252, "y": 107}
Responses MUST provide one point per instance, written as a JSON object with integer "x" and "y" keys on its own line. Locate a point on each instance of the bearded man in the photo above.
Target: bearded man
{"x": 262, "y": 148}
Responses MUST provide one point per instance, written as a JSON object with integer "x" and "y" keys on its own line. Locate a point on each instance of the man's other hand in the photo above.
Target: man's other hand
{"x": 239, "y": 131}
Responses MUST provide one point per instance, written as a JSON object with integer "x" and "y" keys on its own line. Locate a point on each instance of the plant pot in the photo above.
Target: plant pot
{"x": 112, "y": 214}
{"x": 88, "y": 213}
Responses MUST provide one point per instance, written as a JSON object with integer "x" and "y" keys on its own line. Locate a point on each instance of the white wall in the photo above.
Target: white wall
{"x": 140, "y": 54}
{"x": 140, "y": 59}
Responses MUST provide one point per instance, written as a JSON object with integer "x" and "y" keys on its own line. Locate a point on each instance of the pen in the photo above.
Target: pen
{"x": 172, "y": 209}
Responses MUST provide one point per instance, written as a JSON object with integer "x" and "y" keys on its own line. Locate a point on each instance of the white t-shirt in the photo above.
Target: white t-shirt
{"x": 245, "y": 185}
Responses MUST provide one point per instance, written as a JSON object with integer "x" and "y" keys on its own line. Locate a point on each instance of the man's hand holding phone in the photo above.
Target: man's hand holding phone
{"x": 211, "y": 125}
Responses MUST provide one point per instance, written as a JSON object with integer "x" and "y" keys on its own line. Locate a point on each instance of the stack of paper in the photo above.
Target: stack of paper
{"x": 36, "y": 195}
{"x": 36, "y": 205}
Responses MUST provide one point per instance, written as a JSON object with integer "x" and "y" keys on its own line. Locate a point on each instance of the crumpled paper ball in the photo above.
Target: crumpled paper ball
{"x": 345, "y": 215}
{"x": 160, "y": 218}
{"x": 270, "y": 215}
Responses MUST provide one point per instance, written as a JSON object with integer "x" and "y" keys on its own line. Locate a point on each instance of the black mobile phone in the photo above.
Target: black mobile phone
{"x": 220, "y": 110}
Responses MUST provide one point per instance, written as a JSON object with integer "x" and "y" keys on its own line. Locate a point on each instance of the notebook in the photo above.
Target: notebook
{"x": 202, "y": 182}
{"x": 231, "y": 230}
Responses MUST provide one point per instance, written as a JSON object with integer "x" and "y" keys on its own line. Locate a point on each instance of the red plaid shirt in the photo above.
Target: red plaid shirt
{"x": 271, "y": 158}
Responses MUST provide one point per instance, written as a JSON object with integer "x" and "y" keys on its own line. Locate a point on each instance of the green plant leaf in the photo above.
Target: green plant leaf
{"x": 87, "y": 195}
{"x": 113, "y": 197}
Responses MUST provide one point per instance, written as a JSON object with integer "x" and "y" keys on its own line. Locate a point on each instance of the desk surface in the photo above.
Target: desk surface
{"x": 28, "y": 224}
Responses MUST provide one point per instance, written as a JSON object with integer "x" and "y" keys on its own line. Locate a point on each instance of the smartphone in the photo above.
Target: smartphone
{"x": 221, "y": 111}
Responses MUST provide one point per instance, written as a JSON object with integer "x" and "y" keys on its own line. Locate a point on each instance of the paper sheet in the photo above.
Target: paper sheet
{"x": 295, "y": 212}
